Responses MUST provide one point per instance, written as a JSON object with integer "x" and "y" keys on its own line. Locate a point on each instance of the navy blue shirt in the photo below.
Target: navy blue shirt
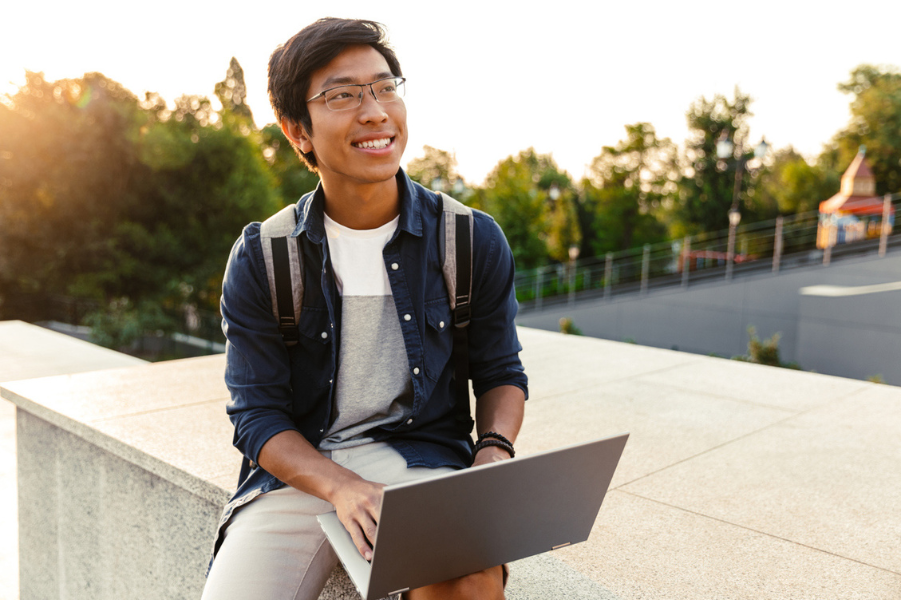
{"x": 275, "y": 388}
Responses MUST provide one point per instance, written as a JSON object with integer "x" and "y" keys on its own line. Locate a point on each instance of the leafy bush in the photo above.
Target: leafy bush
{"x": 567, "y": 326}
{"x": 764, "y": 352}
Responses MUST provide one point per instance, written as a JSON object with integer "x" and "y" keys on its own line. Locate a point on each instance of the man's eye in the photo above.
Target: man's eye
{"x": 341, "y": 95}
{"x": 388, "y": 89}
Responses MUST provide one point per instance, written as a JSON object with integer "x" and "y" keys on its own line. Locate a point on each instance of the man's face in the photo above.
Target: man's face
{"x": 349, "y": 144}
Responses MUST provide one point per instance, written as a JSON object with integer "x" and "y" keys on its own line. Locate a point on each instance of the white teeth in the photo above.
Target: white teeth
{"x": 374, "y": 144}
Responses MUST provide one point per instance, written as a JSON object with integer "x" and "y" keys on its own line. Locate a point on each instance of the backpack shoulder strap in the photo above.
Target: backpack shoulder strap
{"x": 457, "y": 229}
{"x": 456, "y": 262}
{"x": 284, "y": 270}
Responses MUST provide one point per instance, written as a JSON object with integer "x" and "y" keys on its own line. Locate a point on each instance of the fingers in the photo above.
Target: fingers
{"x": 361, "y": 535}
{"x": 358, "y": 510}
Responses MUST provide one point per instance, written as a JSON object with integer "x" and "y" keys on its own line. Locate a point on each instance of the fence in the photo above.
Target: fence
{"x": 782, "y": 243}
{"x": 777, "y": 244}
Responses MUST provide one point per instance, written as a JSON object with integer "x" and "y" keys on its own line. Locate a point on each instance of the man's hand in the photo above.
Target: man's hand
{"x": 488, "y": 455}
{"x": 292, "y": 459}
{"x": 357, "y": 503}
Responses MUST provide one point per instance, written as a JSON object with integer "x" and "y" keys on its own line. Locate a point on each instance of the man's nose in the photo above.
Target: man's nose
{"x": 370, "y": 108}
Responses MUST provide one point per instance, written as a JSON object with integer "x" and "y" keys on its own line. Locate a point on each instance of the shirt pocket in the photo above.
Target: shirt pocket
{"x": 311, "y": 358}
{"x": 439, "y": 339}
{"x": 315, "y": 327}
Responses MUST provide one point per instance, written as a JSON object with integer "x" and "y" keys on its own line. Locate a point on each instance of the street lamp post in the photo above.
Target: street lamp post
{"x": 734, "y": 220}
{"x": 725, "y": 148}
{"x": 573, "y": 257}
{"x": 554, "y": 192}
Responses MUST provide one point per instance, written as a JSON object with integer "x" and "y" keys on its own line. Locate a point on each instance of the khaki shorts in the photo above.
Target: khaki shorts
{"x": 273, "y": 547}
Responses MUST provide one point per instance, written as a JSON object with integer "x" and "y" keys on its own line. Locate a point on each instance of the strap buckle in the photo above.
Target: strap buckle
{"x": 289, "y": 332}
{"x": 462, "y": 315}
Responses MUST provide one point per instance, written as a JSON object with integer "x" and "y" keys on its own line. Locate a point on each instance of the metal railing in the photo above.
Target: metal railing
{"x": 773, "y": 245}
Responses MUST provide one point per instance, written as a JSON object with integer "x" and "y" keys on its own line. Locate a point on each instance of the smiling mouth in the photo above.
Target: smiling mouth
{"x": 374, "y": 144}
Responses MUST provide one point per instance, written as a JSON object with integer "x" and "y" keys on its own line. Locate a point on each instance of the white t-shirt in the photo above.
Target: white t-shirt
{"x": 374, "y": 387}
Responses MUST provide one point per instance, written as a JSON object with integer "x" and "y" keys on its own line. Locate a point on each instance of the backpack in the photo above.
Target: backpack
{"x": 284, "y": 271}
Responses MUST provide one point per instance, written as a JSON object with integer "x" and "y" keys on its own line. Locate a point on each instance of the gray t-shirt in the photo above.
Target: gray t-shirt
{"x": 374, "y": 387}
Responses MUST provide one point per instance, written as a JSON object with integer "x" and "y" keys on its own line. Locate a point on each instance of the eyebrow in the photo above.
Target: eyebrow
{"x": 345, "y": 80}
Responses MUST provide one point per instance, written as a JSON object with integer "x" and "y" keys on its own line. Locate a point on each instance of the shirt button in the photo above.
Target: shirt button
{"x": 416, "y": 370}
{"x": 441, "y": 325}
{"x": 395, "y": 266}
{"x": 409, "y": 421}
{"x": 325, "y": 335}
{"x": 407, "y": 317}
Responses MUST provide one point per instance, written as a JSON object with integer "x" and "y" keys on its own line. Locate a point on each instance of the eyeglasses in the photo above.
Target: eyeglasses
{"x": 346, "y": 97}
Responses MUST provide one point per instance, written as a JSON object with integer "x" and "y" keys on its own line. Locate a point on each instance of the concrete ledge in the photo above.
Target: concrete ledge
{"x": 166, "y": 418}
{"x": 28, "y": 351}
{"x": 122, "y": 475}
{"x": 739, "y": 481}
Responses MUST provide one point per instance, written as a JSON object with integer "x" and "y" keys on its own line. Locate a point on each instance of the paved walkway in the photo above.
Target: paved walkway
{"x": 738, "y": 481}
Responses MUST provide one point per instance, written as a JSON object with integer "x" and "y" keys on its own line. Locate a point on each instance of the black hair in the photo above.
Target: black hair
{"x": 313, "y": 47}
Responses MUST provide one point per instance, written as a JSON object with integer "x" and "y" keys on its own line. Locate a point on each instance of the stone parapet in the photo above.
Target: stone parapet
{"x": 738, "y": 481}
{"x": 122, "y": 475}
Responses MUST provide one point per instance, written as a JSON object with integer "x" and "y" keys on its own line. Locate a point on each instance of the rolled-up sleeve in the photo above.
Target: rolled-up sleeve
{"x": 493, "y": 344}
{"x": 257, "y": 373}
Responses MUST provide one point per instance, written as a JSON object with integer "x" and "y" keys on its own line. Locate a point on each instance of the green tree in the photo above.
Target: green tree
{"x": 124, "y": 203}
{"x": 232, "y": 91}
{"x": 69, "y": 169}
{"x": 516, "y": 194}
{"x": 434, "y": 165}
{"x": 564, "y": 230}
{"x": 625, "y": 189}
{"x": 292, "y": 177}
{"x": 792, "y": 185}
{"x": 206, "y": 179}
{"x": 704, "y": 193}
{"x": 875, "y": 123}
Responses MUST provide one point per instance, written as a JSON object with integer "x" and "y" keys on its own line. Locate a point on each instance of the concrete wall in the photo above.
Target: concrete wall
{"x": 27, "y": 351}
{"x": 712, "y": 318}
{"x": 855, "y": 336}
{"x": 92, "y": 525}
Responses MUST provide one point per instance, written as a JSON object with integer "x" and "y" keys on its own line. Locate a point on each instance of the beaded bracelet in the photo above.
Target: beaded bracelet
{"x": 495, "y": 435}
{"x": 484, "y": 443}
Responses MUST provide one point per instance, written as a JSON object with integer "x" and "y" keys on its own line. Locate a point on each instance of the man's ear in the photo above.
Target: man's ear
{"x": 296, "y": 132}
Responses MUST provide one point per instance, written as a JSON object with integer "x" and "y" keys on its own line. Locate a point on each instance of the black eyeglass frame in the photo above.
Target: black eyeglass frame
{"x": 322, "y": 94}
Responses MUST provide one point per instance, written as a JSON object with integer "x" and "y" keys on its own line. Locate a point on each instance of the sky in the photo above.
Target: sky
{"x": 489, "y": 79}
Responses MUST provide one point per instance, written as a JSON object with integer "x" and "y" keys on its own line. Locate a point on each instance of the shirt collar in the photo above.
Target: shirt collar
{"x": 310, "y": 213}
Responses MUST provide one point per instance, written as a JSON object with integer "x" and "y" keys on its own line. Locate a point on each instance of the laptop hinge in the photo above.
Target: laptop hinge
{"x": 561, "y": 546}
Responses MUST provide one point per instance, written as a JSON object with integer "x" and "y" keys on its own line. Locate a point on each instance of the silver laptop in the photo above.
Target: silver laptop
{"x": 469, "y": 520}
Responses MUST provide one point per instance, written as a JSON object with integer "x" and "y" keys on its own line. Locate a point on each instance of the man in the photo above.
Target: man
{"x": 366, "y": 396}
